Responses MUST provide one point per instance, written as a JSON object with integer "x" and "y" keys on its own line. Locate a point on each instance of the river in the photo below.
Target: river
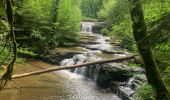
{"x": 61, "y": 85}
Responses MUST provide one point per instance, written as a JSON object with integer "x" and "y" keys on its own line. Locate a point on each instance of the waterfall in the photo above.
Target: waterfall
{"x": 87, "y": 27}
{"x": 91, "y": 71}
{"x": 94, "y": 44}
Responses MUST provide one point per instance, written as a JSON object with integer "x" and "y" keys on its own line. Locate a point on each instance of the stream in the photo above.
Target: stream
{"x": 75, "y": 84}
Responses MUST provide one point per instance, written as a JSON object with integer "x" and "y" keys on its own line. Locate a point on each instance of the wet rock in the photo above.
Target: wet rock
{"x": 125, "y": 93}
{"x": 88, "y": 42}
{"x": 107, "y": 40}
{"x": 126, "y": 90}
{"x": 92, "y": 47}
{"x": 137, "y": 70}
{"x": 112, "y": 72}
{"x": 97, "y": 28}
{"x": 112, "y": 52}
{"x": 92, "y": 71}
{"x": 114, "y": 40}
{"x": 55, "y": 56}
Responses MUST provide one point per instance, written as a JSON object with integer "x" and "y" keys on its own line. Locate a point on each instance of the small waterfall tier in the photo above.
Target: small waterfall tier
{"x": 91, "y": 71}
{"x": 86, "y": 27}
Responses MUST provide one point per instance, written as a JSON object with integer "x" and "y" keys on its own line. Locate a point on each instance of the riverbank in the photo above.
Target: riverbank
{"x": 41, "y": 87}
{"x": 62, "y": 85}
{"x": 99, "y": 81}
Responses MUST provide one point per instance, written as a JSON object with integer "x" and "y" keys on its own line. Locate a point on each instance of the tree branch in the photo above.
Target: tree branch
{"x": 57, "y": 68}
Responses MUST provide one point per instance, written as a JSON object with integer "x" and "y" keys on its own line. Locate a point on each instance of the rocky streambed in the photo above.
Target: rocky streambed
{"x": 117, "y": 77}
{"x": 111, "y": 81}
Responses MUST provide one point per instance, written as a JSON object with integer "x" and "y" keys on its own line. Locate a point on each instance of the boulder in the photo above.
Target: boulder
{"x": 112, "y": 52}
{"x": 55, "y": 56}
{"x": 112, "y": 72}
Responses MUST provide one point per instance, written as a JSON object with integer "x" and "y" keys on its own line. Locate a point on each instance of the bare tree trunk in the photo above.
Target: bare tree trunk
{"x": 142, "y": 41}
{"x": 9, "y": 11}
{"x": 57, "y": 68}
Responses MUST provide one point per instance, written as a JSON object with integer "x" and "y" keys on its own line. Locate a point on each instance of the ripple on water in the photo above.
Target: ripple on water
{"x": 82, "y": 88}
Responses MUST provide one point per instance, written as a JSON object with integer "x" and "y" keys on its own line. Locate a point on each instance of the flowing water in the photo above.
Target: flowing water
{"x": 86, "y": 76}
{"x": 87, "y": 27}
{"x": 77, "y": 84}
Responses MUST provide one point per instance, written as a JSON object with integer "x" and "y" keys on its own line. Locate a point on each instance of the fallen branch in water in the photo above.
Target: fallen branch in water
{"x": 57, "y": 68}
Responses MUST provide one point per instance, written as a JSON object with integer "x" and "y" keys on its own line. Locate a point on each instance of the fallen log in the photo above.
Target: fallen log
{"x": 57, "y": 68}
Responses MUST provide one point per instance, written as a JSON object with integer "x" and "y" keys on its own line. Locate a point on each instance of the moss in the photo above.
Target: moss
{"x": 105, "y": 56}
{"x": 70, "y": 49}
{"x": 131, "y": 64}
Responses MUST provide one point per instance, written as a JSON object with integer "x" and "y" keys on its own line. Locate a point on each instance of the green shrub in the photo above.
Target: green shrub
{"x": 144, "y": 93}
{"x": 68, "y": 23}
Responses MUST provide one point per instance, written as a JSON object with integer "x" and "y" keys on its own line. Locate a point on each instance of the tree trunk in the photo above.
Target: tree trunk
{"x": 142, "y": 41}
{"x": 9, "y": 11}
{"x": 57, "y": 68}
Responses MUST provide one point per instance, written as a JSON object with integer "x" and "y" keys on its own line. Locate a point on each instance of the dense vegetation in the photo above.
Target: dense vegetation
{"x": 157, "y": 19}
{"x": 40, "y": 25}
{"x": 90, "y": 8}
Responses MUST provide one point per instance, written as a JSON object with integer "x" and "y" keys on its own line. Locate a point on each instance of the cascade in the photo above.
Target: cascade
{"x": 91, "y": 73}
{"x": 87, "y": 27}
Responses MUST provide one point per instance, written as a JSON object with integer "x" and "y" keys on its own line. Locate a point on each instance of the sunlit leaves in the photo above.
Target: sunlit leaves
{"x": 68, "y": 21}
{"x": 91, "y": 7}
{"x": 55, "y": 19}
{"x": 155, "y": 8}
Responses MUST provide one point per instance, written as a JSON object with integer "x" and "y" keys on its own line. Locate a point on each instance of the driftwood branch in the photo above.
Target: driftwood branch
{"x": 57, "y": 68}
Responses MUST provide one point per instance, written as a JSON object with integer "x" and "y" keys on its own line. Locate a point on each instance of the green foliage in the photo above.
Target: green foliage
{"x": 144, "y": 93}
{"x": 118, "y": 19}
{"x": 4, "y": 28}
{"x": 159, "y": 29}
{"x": 91, "y": 7}
{"x": 41, "y": 25}
{"x": 167, "y": 77}
{"x": 68, "y": 23}
{"x": 115, "y": 11}
{"x": 157, "y": 17}
{"x": 159, "y": 7}
{"x": 20, "y": 60}
{"x": 88, "y": 19}
{"x": 107, "y": 9}
{"x": 162, "y": 54}
{"x": 32, "y": 24}
{"x": 4, "y": 52}
{"x": 123, "y": 31}
{"x": 117, "y": 14}
{"x": 26, "y": 51}
{"x": 2, "y": 8}
{"x": 5, "y": 55}
{"x": 2, "y": 11}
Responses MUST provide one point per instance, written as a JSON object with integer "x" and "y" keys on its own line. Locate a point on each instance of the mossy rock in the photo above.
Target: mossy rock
{"x": 55, "y": 56}
{"x": 112, "y": 72}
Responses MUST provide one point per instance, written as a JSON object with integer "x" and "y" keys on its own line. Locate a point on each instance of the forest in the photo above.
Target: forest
{"x": 85, "y": 49}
